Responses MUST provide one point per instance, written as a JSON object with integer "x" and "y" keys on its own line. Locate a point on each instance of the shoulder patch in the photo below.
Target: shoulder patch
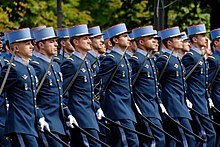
{"x": 56, "y": 58}
{"x": 190, "y": 53}
{"x": 165, "y": 56}
{"x": 70, "y": 59}
{"x": 12, "y": 64}
{"x": 6, "y": 60}
{"x": 35, "y": 62}
{"x": 211, "y": 57}
{"x": 111, "y": 55}
{"x": 135, "y": 57}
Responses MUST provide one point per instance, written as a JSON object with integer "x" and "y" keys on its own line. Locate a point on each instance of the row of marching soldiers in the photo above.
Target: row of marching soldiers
{"x": 109, "y": 89}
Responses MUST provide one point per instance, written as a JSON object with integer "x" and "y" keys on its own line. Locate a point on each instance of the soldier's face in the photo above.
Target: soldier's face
{"x": 50, "y": 47}
{"x": 69, "y": 46}
{"x": 123, "y": 41}
{"x": 149, "y": 43}
{"x": 201, "y": 40}
{"x": 97, "y": 43}
{"x": 177, "y": 43}
{"x": 186, "y": 46}
{"x": 84, "y": 43}
{"x": 24, "y": 49}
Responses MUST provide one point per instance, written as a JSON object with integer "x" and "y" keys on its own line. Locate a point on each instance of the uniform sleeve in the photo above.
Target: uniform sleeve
{"x": 106, "y": 69}
{"x": 68, "y": 70}
{"x": 188, "y": 63}
{"x": 11, "y": 79}
{"x": 212, "y": 69}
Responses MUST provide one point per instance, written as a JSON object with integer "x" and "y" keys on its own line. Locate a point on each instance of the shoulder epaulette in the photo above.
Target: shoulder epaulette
{"x": 35, "y": 62}
{"x": 211, "y": 57}
{"x": 190, "y": 53}
{"x": 165, "y": 56}
{"x": 13, "y": 64}
{"x": 6, "y": 60}
{"x": 56, "y": 58}
{"x": 111, "y": 55}
{"x": 70, "y": 59}
{"x": 135, "y": 57}
{"x": 103, "y": 54}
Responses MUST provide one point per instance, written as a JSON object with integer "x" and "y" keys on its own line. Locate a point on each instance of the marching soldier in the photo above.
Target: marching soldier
{"x": 66, "y": 48}
{"x": 117, "y": 100}
{"x": 78, "y": 79}
{"x": 197, "y": 82}
{"x": 23, "y": 114}
{"x": 147, "y": 100}
{"x": 3, "y": 107}
{"x": 132, "y": 47}
{"x": 214, "y": 76}
{"x": 171, "y": 76}
{"x": 36, "y": 50}
{"x": 49, "y": 97}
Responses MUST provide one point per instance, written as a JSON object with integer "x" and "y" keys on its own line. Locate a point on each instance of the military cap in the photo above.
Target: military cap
{"x": 117, "y": 30}
{"x": 62, "y": 33}
{"x": 95, "y": 31}
{"x": 36, "y": 29}
{"x": 105, "y": 34}
{"x": 79, "y": 30}
{"x": 19, "y": 35}
{"x": 196, "y": 29}
{"x": 44, "y": 34}
{"x": 170, "y": 33}
{"x": 215, "y": 34}
{"x": 143, "y": 31}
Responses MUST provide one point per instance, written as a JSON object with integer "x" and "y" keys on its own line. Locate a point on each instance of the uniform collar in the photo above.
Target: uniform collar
{"x": 94, "y": 53}
{"x": 79, "y": 55}
{"x": 129, "y": 53}
{"x": 108, "y": 51}
{"x": 170, "y": 51}
{"x": 143, "y": 52}
{"x": 35, "y": 53}
{"x": 196, "y": 49}
{"x": 163, "y": 50}
{"x": 217, "y": 52}
{"x": 21, "y": 60}
{"x": 65, "y": 54}
{"x": 118, "y": 50}
{"x": 45, "y": 58}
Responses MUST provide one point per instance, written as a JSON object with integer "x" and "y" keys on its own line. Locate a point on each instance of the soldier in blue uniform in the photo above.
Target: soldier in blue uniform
{"x": 197, "y": 82}
{"x": 147, "y": 100}
{"x": 173, "y": 86}
{"x": 36, "y": 50}
{"x": 214, "y": 77}
{"x": 23, "y": 114}
{"x": 3, "y": 108}
{"x": 117, "y": 101}
{"x": 80, "y": 101}
{"x": 66, "y": 48}
{"x": 50, "y": 95}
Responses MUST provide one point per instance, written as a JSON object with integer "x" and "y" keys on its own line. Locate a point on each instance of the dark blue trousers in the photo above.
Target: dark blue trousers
{"x": 80, "y": 139}
{"x": 120, "y": 137}
{"x": 23, "y": 140}
{"x": 3, "y": 141}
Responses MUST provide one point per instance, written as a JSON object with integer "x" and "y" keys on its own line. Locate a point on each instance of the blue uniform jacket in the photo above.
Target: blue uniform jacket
{"x": 117, "y": 100}
{"x": 49, "y": 97}
{"x": 145, "y": 89}
{"x": 81, "y": 92}
{"x": 173, "y": 85}
{"x": 198, "y": 81}
{"x": 214, "y": 64}
{"x": 3, "y": 109}
{"x": 21, "y": 92}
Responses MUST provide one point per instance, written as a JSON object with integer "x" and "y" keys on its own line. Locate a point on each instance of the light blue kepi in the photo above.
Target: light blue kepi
{"x": 19, "y": 36}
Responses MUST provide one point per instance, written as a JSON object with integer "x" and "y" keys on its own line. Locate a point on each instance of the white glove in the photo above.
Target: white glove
{"x": 163, "y": 109}
{"x": 189, "y": 104}
{"x": 211, "y": 105}
{"x": 71, "y": 121}
{"x": 43, "y": 124}
{"x": 99, "y": 114}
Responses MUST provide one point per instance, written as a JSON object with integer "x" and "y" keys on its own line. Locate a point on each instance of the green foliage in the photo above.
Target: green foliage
{"x": 16, "y": 14}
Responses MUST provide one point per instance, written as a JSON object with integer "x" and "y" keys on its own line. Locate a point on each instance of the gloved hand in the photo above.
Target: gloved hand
{"x": 188, "y": 103}
{"x": 211, "y": 105}
{"x": 99, "y": 114}
{"x": 163, "y": 109}
{"x": 70, "y": 121}
{"x": 43, "y": 124}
